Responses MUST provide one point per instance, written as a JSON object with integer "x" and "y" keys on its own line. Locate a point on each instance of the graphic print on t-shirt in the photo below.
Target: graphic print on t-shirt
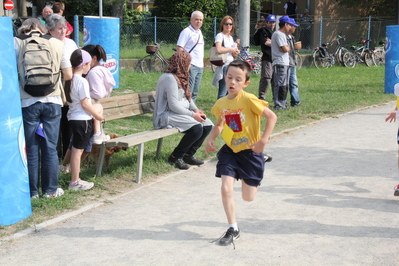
{"x": 234, "y": 122}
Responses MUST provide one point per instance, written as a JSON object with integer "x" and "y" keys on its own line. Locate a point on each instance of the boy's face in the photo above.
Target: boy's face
{"x": 235, "y": 81}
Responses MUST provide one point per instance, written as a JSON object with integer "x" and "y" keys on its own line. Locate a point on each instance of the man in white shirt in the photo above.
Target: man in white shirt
{"x": 192, "y": 40}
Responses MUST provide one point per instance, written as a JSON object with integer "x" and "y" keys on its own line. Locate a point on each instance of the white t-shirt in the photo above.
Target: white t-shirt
{"x": 79, "y": 91}
{"x": 187, "y": 39}
{"x": 279, "y": 39}
{"x": 69, "y": 47}
{"x": 226, "y": 42}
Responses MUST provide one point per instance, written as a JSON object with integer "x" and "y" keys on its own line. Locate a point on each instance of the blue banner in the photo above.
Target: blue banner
{"x": 392, "y": 59}
{"x": 105, "y": 32}
{"x": 15, "y": 203}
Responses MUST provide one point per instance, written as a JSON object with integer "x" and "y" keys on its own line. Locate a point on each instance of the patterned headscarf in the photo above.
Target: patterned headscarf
{"x": 179, "y": 65}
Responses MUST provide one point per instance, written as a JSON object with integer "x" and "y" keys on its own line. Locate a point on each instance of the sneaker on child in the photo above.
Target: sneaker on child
{"x": 98, "y": 139}
{"x": 229, "y": 237}
{"x": 58, "y": 193}
{"x": 80, "y": 185}
{"x": 396, "y": 193}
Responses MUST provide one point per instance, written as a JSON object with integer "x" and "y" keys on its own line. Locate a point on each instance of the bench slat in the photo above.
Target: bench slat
{"x": 141, "y": 137}
{"x": 126, "y": 106}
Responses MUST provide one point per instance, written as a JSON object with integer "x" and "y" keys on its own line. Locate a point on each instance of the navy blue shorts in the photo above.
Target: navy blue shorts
{"x": 246, "y": 165}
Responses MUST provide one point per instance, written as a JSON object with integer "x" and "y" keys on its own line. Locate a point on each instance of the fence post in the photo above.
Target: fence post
{"x": 155, "y": 29}
{"x": 321, "y": 30}
{"x": 214, "y": 27}
{"x": 76, "y": 29}
{"x": 369, "y": 32}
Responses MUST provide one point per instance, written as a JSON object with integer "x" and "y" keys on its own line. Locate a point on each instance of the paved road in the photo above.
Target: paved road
{"x": 327, "y": 199}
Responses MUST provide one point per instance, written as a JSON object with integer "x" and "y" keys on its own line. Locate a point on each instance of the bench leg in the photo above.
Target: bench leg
{"x": 139, "y": 169}
{"x": 100, "y": 162}
{"x": 159, "y": 146}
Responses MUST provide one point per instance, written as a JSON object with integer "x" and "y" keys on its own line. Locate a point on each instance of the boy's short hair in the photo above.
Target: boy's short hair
{"x": 243, "y": 65}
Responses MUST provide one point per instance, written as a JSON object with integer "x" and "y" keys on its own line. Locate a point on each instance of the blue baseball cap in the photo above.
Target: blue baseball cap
{"x": 292, "y": 22}
{"x": 284, "y": 19}
{"x": 271, "y": 18}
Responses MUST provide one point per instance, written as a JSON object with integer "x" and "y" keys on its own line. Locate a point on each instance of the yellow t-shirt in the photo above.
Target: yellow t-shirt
{"x": 242, "y": 116}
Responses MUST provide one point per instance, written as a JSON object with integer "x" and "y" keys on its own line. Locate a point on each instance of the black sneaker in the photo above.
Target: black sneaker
{"x": 267, "y": 158}
{"x": 192, "y": 160}
{"x": 396, "y": 192}
{"x": 229, "y": 237}
{"x": 178, "y": 163}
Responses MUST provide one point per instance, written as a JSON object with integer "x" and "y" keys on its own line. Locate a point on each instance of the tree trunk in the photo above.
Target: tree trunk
{"x": 22, "y": 11}
{"x": 117, "y": 9}
{"x": 232, "y": 10}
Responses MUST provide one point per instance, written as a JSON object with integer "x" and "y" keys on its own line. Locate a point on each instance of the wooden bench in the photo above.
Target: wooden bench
{"x": 126, "y": 106}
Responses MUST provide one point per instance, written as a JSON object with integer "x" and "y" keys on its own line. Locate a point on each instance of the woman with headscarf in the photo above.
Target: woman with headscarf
{"x": 175, "y": 109}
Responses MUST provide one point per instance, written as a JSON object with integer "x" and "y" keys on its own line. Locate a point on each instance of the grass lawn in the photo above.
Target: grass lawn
{"x": 323, "y": 92}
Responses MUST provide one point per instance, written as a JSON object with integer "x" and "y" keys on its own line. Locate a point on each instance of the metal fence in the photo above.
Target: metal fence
{"x": 147, "y": 30}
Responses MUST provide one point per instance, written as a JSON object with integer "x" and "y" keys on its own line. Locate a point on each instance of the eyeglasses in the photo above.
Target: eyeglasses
{"x": 228, "y": 24}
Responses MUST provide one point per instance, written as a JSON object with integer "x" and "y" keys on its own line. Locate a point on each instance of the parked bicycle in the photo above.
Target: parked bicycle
{"x": 253, "y": 58}
{"x": 362, "y": 54}
{"x": 155, "y": 61}
{"x": 299, "y": 60}
{"x": 322, "y": 58}
{"x": 379, "y": 54}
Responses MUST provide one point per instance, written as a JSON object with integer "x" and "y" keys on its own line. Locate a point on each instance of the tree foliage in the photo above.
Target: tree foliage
{"x": 372, "y": 7}
{"x": 179, "y": 8}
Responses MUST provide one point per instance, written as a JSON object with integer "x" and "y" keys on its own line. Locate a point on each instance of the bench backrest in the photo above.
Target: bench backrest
{"x": 128, "y": 105}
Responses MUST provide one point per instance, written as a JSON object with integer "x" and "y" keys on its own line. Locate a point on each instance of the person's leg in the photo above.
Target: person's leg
{"x": 248, "y": 192}
{"x": 281, "y": 86}
{"x": 190, "y": 137}
{"x": 195, "y": 80}
{"x": 227, "y": 190}
{"x": 264, "y": 81}
{"x": 50, "y": 117}
{"x": 195, "y": 146}
{"x": 76, "y": 155}
{"x": 222, "y": 85}
{"x": 64, "y": 134}
{"x": 31, "y": 119}
{"x": 293, "y": 87}
{"x": 99, "y": 135}
{"x": 97, "y": 124}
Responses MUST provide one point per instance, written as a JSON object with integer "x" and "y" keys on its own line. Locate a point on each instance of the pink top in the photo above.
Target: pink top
{"x": 101, "y": 82}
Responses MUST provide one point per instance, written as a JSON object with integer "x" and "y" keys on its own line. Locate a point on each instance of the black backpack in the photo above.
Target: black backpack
{"x": 38, "y": 73}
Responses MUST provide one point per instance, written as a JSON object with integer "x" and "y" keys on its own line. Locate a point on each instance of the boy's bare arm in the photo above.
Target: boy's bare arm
{"x": 391, "y": 116}
{"x": 271, "y": 117}
{"x": 216, "y": 130}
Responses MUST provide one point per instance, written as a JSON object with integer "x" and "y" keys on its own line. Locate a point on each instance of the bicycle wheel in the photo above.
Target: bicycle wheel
{"x": 349, "y": 59}
{"x": 369, "y": 58}
{"x": 321, "y": 62}
{"x": 379, "y": 57}
{"x": 151, "y": 63}
{"x": 298, "y": 59}
{"x": 340, "y": 55}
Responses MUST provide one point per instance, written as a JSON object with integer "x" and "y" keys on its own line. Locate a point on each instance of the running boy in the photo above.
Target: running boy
{"x": 238, "y": 116}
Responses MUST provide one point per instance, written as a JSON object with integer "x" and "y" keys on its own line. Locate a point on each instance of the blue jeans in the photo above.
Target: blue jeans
{"x": 222, "y": 85}
{"x": 195, "y": 80}
{"x": 293, "y": 86}
{"x": 42, "y": 152}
